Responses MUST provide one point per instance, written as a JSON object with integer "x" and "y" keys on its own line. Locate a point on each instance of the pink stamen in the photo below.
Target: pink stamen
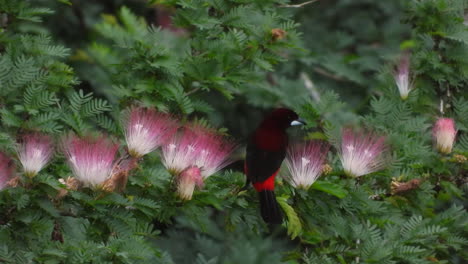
{"x": 91, "y": 159}
{"x": 34, "y": 152}
{"x": 362, "y": 152}
{"x": 305, "y": 163}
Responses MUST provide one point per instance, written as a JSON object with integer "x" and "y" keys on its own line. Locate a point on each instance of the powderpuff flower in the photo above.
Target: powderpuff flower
{"x": 91, "y": 159}
{"x": 305, "y": 163}
{"x": 214, "y": 152}
{"x": 34, "y": 151}
{"x": 362, "y": 152}
{"x": 197, "y": 146}
{"x": 402, "y": 75}
{"x": 180, "y": 152}
{"x": 6, "y": 170}
{"x": 147, "y": 129}
{"x": 444, "y": 133}
{"x": 187, "y": 181}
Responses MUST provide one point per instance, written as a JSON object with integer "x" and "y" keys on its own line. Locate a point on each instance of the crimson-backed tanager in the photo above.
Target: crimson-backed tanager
{"x": 266, "y": 150}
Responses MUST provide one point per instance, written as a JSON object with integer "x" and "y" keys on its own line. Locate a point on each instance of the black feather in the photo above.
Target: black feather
{"x": 262, "y": 164}
{"x": 269, "y": 207}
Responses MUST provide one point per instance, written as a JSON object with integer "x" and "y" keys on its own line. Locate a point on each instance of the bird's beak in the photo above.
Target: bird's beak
{"x": 298, "y": 122}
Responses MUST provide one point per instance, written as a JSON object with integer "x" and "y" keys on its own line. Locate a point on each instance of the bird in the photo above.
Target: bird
{"x": 266, "y": 150}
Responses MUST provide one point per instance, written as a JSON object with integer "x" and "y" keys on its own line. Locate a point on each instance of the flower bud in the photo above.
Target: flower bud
{"x": 187, "y": 181}
{"x": 402, "y": 75}
{"x": 444, "y": 133}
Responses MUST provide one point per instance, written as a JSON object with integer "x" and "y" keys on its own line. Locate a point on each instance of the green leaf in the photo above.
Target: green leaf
{"x": 67, "y": 2}
{"x": 452, "y": 189}
{"x": 294, "y": 223}
{"x": 330, "y": 188}
{"x": 459, "y": 33}
{"x": 48, "y": 206}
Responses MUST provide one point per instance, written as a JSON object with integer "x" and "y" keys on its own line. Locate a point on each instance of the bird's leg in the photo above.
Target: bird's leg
{"x": 246, "y": 186}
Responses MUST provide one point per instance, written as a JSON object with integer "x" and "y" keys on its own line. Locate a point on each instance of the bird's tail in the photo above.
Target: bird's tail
{"x": 269, "y": 207}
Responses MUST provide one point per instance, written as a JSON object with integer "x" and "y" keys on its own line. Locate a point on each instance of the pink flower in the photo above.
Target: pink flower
{"x": 6, "y": 170}
{"x": 213, "y": 152}
{"x": 187, "y": 180}
{"x": 180, "y": 152}
{"x": 362, "y": 152}
{"x": 34, "y": 152}
{"x": 91, "y": 159}
{"x": 402, "y": 77}
{"x": 305, "y": 163}
{"x": 146, "y": 129}
{"x": 197, "y": 146}
{"x": 444, "y": 133}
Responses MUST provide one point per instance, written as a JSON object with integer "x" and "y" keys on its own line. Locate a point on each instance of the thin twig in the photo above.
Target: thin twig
{"x": 300, "y": 5}
{"x": 310, "y": 86}
{"x": 441, "y": 106}
{"x": 192, "y": 91}
{"x": 327, "y": 74}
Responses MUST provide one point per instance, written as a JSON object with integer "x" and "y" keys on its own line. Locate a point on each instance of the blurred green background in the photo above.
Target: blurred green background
{"x": 346, "y": 47}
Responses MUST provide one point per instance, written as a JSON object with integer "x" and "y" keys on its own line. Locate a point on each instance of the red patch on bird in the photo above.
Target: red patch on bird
{"x": 268, "y": 184}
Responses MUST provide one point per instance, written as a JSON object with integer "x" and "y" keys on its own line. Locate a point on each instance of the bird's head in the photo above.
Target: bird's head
{"x": 282, "y": 118}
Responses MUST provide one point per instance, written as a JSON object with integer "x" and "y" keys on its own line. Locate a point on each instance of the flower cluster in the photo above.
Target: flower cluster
{"x": 305, "y": 163}
{"x": 360, "y": 153}
{"x": 196, "y": 146}
{"x": 192, "y": 153}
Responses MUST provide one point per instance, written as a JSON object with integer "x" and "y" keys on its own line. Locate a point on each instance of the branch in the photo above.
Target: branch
{"x": 299, "y": 5}
{"x": 327, "y": 74}
{"x": 192, "y": 91}
{"x": 310, "y": 86}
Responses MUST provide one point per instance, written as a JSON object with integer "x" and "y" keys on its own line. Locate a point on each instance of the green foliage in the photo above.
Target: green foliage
{"x": 74, "y": 65}
{"x": 220, "y": 49}
{"x": 294, "y": 223}
{"x": 33, "y": 80}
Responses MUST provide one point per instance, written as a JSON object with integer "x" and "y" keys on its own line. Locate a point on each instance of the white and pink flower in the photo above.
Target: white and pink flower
{"x": 34, "y": 151}
{"x": 195, "y": 148}
{"x": 362, "y": 152}
{"x": 214, "y": 152}
{"x": 402, "y": 75}
{"x": 91, "y": 159}
{"x": 147, "y": 129}
{"x": 180, "y": 152}
{"x": 6, "y": 170}
{"x": 444, "y": 133}
{"x": 305, "y": 163}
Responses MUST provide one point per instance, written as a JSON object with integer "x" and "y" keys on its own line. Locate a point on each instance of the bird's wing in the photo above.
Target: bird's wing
{"x": 261, "y": 164}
